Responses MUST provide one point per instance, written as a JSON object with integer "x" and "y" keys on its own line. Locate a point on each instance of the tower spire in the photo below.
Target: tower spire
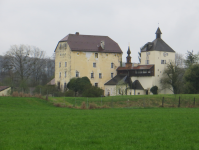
{"x": 128, "y": 58}
{"x": 158, "y": 33}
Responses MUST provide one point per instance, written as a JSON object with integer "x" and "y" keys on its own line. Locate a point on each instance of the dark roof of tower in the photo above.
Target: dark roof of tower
{"x": 158, "y": 31}
{"x": 90, "y": 43}
{"x": 129, "y": 51}
{"x": 157, "y": 45}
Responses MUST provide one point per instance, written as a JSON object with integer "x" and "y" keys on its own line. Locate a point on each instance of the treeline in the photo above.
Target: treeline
{"x": 182, "y": 77}
{"x": 25, "y": 66}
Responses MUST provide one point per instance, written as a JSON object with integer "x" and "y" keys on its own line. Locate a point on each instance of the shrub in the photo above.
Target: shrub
{"x": 92, "y": 106}
{"x": 92, "y": 91}
{"x": 154, "y": 89}
{"x": 83, "y": 106}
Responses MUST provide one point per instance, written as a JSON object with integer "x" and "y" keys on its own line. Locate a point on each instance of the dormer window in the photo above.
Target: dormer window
{"x": 96, "y": 55}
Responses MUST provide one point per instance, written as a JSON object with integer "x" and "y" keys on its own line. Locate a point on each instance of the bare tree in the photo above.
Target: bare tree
{"x": 23, "y": 61}
{"x": 179, "y": 60}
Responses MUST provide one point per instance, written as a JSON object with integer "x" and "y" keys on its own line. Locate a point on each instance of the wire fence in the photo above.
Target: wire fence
{"x": 128, "y": 102}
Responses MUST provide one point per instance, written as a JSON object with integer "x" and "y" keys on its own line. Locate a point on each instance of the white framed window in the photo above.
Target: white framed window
{"x": 100, "y": 75}
{"x": 94, "y": 65}
{"x": 92, "y": 75}
{"x": 60, "y": 74}
{"x": 96, "y": 55}
{"x": 59, "y": 64}
{"x": 65, "y": 74}
{"x": 77, "y": 74}
{"x": 163, "y": 61}
{"x": 111, "y": 75}
{"x": 65, "y": 64}
{"x": 96, "y": 84}
{"x": 111, "y": 65}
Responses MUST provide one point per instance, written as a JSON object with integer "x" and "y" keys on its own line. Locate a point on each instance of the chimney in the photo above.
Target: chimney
{"x": 77, "y": 33}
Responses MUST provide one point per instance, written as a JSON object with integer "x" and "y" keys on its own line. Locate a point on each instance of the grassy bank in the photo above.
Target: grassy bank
{"x": 132, "y": 101}
{"x": 31, "y": 123}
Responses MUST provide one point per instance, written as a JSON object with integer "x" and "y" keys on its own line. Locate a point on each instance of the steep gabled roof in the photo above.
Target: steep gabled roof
{"x": 91, "y": 43}
{"x": 3, "y": 88}
{"x": 136, "y": 85}
{"x": 115, "y": 80}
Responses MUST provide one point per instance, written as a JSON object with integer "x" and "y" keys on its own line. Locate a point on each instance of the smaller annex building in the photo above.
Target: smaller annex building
{"x": 5, "y": 90}
{"x": 138, "y": 79}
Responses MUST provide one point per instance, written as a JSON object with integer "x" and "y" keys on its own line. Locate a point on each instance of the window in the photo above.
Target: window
{"x": 60, "y": 46}
{"x": 59, "y": 64}
{"x": 96, "y": 84}
{"x": 100, "y": 75}
{"x": 111, "y": 75}
{"x": 96, "y": 55}
{"x": 77, "y": 74}
{"x": 65, "y": 74}
{"x": 147, "y": 61}
{"x": 92, "y": 75}
{"x": 65, "y": 86}
{"x": 77, "y": 53}
{"x": 58, "y": 85}
{"x": 106, "y": 54}
{"x": 111, "y": 65}
{"x": 144, "y": 71}
{"x": 94, "y": 64}
{"x": 65, "y": 45}
{"x": 65, "y": 64}
{"x": 163, "y": 61}
{"x": 60, "y": 74}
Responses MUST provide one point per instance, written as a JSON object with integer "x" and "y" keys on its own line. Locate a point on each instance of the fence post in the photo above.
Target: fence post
{"x": 179, "y": 102}
{"x": 112, "y": 102}
{"x": 194, "y": 102}
{"x": 101, "y": 100}
{"x": 163, "y": 102}
{"x": 87, "y": 102}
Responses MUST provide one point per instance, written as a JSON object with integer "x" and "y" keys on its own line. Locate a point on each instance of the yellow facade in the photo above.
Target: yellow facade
{"x": 68, "y": 64}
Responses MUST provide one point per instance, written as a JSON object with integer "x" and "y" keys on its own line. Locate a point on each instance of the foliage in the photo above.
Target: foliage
{"x": 79, "y": 84}
{"x": 92, "y": 91}
{"x": 190, "y": 58}
{"x": 46, "y": 89}
{"x": 172, "y": 78}
{"x": 192, "y": 79}
{"x": 154, "y": 89}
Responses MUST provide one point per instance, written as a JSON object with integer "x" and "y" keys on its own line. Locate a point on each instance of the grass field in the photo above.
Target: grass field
{"x": 34, "y": 124}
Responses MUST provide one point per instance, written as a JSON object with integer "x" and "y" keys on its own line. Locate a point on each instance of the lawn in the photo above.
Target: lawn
{"x": 34, "y": 124}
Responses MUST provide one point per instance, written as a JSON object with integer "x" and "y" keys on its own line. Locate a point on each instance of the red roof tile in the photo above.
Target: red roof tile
{"x": 91, "y": 43}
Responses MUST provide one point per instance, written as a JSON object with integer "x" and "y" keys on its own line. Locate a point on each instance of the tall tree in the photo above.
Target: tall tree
{"x": 172, "y": 78}
{"x": 192, "y": 79}
{"x": 190, "y": 58}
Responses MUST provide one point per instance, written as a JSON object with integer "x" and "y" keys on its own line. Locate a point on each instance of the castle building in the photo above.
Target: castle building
{"x": 135, "y": 80}
{"x": 96, "y": 57}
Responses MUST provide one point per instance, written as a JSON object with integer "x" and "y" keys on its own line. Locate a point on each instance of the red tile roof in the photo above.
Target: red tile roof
{"x": 91, "y": 43}
{"x": 140, "y": 67}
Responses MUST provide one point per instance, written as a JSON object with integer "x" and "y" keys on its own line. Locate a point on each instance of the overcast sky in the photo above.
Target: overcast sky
{"x": 43, "y": 23}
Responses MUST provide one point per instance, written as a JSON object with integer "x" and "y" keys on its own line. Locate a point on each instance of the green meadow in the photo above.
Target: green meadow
{"x": 36, "y": 124}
